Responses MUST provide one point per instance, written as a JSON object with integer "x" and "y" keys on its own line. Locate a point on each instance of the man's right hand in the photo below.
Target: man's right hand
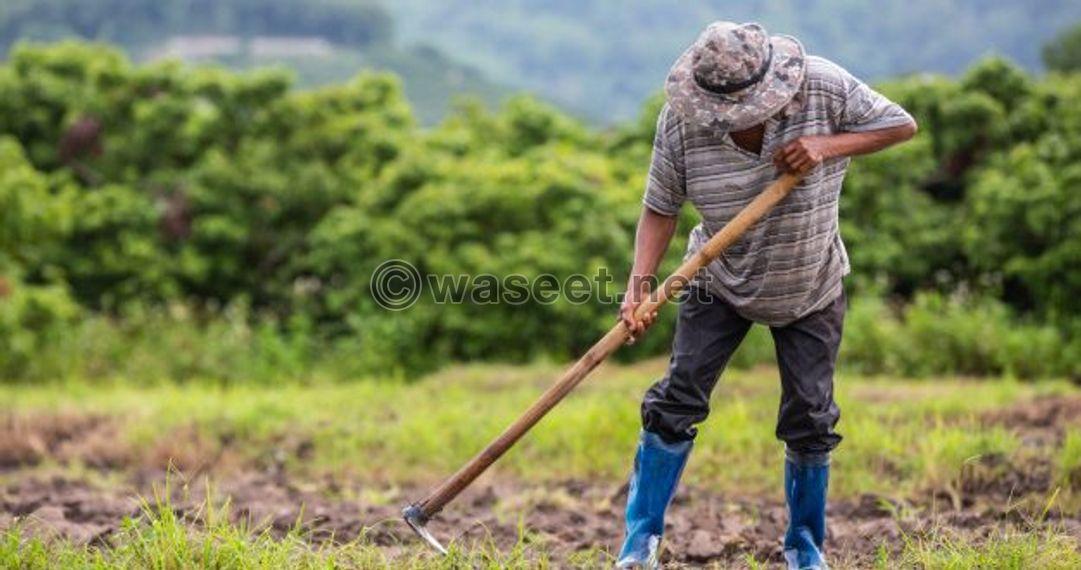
{"x": 633, "y": 298}
{"x": 651, "y": 239}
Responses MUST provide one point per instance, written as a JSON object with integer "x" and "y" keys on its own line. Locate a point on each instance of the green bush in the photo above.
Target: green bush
{"x": 937, "y": 334}
{"x": 173, "y": 343}
{"x": 192, "y": 222}
{"x": 1064, "y": 52}
{"x": 32, "y": 322}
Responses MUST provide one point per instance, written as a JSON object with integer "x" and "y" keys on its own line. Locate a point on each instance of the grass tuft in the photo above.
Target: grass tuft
{"x": 162, "y": 539}
{"x": 1069, "y": 461}
{"x": 943, "y": 550}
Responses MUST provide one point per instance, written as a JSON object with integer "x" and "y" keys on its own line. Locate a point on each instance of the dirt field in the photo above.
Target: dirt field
{"x": 566, "y": 518}
{"x": 571, "y": 521}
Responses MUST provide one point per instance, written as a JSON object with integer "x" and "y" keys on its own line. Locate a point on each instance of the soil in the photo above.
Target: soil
{"x": 1040, "y": 421}
{"x": 568, "y": 517}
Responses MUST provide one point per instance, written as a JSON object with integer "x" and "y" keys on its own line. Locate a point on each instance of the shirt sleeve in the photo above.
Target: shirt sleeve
{"x": 865, "y": 109}
{"x": 666, "y": 186}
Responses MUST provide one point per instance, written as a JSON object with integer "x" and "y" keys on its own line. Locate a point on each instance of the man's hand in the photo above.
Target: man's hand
{"x": 654, "y": 232}
{"x": 803, "y": 154}
{"x": 636, "y": 293}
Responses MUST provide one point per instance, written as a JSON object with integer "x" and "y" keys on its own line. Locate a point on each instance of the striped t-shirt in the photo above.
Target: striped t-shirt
{"x": 790, "y": 263}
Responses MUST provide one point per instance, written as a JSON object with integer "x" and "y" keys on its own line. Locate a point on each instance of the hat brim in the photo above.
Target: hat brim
{"x": 743, "y": 109}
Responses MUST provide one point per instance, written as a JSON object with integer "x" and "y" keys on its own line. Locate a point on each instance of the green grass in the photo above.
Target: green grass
{"x": 160, "y": 540}
{"x": 1045, "y": 549}
{"x": 1069, "y": 460}
{"x": 900, "y": 436}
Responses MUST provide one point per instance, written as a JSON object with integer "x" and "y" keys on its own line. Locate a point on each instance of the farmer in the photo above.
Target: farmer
{"x": 742, "y": 106}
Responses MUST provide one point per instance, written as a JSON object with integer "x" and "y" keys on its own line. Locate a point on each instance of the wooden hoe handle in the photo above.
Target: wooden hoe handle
{"x": 759, "y": 207}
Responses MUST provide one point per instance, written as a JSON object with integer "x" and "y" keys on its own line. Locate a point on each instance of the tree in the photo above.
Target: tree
{"x": 1064, "y": 52}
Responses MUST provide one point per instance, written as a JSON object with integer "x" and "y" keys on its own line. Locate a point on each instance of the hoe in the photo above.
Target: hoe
{"x": 418, "y": 514}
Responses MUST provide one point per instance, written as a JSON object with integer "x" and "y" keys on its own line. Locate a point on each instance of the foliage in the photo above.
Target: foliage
{"x": 600, "y": 58}
{"x": 48, "y": 338}
{"x": 32, "y": 220}
{"x": 134, "y": 194}
{"x": 953, "y": 335}
{"x": 1063, "y": 53}
{"x": 979, "y": 198}
{"x": 32, "y": 320}
{"x": 359, "y": 34}
{"x": 1024, "y": 225}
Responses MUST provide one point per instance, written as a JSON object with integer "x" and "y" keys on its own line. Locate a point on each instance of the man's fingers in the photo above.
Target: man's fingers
{"x": 790, "y": 157}
{"x": 794, "y": 152}
{"x": 633, "y": 327}
{"x": 636, "y": 325}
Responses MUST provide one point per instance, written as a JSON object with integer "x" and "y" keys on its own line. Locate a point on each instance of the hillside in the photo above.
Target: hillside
{"x": 321, "y": 41}
{"x": 601, "y": 58}
{"x": 598, "y": 59}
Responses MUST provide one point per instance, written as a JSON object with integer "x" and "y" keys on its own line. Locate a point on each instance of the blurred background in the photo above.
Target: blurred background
{"x": 597, "y": 60}
{"x": 194, "y": 195}
{"x": 199, "y": 188}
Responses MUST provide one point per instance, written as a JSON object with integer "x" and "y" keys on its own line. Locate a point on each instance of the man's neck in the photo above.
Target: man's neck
{"x": 750, "y": 139}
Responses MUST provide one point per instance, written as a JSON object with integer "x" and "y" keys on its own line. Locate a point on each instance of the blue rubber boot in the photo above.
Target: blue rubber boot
{"x": 657, "y": 467}
{"x": 806, "y": 479}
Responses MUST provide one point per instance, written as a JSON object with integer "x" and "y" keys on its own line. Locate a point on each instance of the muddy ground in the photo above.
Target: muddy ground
{"x": 566, "y": 517}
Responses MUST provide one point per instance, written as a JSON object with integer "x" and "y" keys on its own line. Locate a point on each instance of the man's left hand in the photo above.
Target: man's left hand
{"x": 803, "y": 154}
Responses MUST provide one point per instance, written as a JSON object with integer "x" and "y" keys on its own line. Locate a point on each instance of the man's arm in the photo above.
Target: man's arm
{"x": 805, "y": 153}
{"x": 651, "y": 241}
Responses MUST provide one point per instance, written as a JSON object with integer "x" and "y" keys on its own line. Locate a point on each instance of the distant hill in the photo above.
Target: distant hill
{"x": 598, "y": 59}
{"x": 603, "y": 57}
{"x": 431, "y": 79}
{"x": 356, "y": 23}
{"x": 323, "y": 41}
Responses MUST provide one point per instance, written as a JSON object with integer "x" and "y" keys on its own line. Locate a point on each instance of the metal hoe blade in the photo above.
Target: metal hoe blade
{"x": 416, "y": 519}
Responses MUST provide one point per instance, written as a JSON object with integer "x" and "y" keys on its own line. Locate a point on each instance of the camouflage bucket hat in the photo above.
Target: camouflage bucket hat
{"x": 735, "y": 76}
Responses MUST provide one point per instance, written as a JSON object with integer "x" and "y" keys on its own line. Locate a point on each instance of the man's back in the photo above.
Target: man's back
{"x": 791, "y": 263}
